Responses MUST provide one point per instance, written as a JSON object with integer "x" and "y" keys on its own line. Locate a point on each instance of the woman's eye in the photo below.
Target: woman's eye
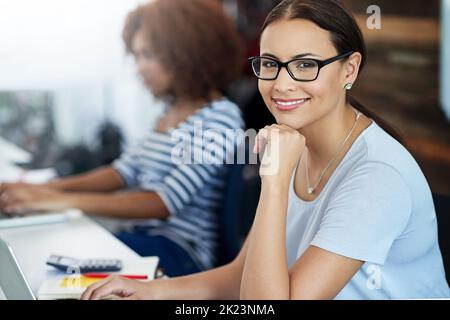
{"x": 304, "y": 65}
{"x": 269, "y": 64}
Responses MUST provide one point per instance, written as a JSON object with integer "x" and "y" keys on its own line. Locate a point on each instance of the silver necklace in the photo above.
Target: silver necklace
{"x": 309, "y": 189}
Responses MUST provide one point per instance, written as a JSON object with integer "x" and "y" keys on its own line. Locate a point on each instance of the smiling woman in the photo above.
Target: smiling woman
{"x": 351, "y": 196}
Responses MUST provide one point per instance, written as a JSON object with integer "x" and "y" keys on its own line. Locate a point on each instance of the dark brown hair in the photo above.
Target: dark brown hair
{"x": 193, "y": 39}
{"x": 345, "y": 35}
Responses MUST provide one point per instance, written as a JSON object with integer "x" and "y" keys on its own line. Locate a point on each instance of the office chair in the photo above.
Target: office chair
{"x": 229, "y": 238}
{"x": 238, "y": 210}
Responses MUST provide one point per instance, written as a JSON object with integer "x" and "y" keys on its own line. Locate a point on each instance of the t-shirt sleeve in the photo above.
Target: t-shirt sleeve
{"x": 127, "y": 166}
{"x": 366, "y": 214}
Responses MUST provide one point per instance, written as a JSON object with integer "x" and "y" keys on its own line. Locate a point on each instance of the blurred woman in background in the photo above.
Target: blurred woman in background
{"x": 187, "y": 54}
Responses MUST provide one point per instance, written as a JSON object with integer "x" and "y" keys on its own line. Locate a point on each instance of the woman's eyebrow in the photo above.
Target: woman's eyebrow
{"x": 269, "y": 55}
{"x": 304, "y": 55}
{"x": 298, "y": 56}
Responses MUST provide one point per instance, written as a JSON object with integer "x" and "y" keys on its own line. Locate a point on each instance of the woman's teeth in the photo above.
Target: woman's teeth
{"x": 291, "y": 103}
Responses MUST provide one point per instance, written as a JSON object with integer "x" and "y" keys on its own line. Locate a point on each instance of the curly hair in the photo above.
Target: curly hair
{"x": 194, "y": 39}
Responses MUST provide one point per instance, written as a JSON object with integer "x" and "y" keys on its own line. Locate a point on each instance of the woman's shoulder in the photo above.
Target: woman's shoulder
{"x": 376, "y": 145}
{"x": 380, "y": 150}
{"x": 223, "y": 113}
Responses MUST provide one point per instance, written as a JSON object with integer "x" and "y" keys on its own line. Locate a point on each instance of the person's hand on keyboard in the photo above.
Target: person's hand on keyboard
{"x": 19, "y": 198}
{"x": 123, "y": 288}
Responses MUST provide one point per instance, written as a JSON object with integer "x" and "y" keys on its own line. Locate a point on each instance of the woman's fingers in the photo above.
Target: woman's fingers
{"x": 261, "y": 141}
{"x": 10, "y": 186}
{"x": 87, "y": 294}
{"x": 264, "y": 137}
{"x": 279, "y": 147}
{"x": 14, "y": 201}
{"x": 7, "y": 200}
{"x": 110, "y": 286}
{"x": 132, "y": 297}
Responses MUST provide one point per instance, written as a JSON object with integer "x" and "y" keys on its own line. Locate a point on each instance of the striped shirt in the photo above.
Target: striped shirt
{"x": 186, "y": 168}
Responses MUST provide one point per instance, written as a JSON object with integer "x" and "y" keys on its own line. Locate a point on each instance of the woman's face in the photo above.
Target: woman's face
{"x": 294, "y": 103}
{"x": 154, "y": 75}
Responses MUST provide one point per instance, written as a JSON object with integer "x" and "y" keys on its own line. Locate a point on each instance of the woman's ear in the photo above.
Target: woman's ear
{"x": 351, "y": 68}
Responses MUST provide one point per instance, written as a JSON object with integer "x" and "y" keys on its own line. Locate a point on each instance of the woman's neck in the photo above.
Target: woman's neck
{"x": 324, "y": 136}
{"x": 180, "y": 110}
{"x": 188, "y": 104}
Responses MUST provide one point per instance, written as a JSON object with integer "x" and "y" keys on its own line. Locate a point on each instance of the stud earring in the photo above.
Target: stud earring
{"x": 348, "y": 86}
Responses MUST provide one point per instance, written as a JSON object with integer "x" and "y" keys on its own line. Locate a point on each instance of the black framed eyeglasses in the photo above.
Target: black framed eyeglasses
{"x": 300, "y": 69}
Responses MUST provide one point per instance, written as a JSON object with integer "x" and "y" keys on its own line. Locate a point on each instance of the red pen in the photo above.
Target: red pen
{"x": 105, "y": 275}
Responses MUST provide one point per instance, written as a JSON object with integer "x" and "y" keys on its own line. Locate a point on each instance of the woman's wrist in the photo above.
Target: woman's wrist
{"x": 70, "y": 200}
{"x": 55, "y": 184}
{"x": 162, "y": 289}
{"x": 275, "y": 184}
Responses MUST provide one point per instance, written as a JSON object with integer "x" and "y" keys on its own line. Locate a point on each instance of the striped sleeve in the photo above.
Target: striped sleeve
{"x": 127, "y": 167}
{"x": 186, "y": 180}
{"x": 192, "y": 175}
{"x": 183, "y": 183}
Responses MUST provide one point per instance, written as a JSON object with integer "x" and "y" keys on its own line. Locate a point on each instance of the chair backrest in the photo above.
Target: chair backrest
{"x": 442, "y": 206}
{"x": 229, "y": 243}
{"x": 238, "y": 209}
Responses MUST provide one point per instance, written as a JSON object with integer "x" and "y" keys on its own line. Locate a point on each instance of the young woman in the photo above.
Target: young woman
{"x": 176, "y": 203}
{"x": 344, "y": 212}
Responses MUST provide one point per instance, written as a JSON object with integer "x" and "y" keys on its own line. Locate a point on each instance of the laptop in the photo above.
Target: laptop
{"x": 13, "y": 284}
{"x": 15, "y": 221}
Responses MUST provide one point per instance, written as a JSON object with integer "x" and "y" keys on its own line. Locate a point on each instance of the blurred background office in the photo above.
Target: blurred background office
{"x": 68, "y": 92}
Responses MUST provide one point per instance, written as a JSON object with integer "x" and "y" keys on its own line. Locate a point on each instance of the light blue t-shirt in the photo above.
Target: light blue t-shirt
{"x": 377, "y": 207}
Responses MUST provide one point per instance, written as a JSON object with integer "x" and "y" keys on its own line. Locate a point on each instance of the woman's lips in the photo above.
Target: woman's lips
{"x": 288, "y": 105}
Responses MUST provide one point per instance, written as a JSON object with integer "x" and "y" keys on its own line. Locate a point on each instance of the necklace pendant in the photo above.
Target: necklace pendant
{"x": 310, "y": 190}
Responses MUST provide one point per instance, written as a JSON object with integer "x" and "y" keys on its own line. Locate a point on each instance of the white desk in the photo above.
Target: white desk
{"x": 80, "y": 237}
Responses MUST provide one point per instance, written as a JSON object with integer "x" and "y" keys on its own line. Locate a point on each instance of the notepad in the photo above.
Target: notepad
{"x": 72, "y": 286}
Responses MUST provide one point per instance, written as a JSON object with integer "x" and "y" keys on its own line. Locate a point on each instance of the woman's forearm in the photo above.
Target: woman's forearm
{"x": 133, "y": 205}
{"x": 103, "y": 179}
{"x": 221, "y": 283}
{"x": 266, "y": 274}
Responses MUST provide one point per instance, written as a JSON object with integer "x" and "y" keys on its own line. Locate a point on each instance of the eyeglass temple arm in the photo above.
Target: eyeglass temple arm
{"x": 328, "y": 61}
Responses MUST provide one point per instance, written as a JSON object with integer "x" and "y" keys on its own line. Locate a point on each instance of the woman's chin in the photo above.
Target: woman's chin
{"x": 288, "y": 122}
{"x": 158, "y": 94}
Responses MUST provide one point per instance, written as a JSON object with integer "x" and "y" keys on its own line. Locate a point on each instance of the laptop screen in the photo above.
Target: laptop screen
{"x": 12, "y": 280}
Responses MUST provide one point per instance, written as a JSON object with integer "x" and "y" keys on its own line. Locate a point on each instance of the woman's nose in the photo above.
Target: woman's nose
{"x": 139, "y": 66}
{"x": 284, "y": 81}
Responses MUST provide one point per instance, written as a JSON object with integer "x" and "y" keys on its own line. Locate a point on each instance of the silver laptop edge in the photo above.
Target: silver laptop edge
{"x": 12, "y": 279}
